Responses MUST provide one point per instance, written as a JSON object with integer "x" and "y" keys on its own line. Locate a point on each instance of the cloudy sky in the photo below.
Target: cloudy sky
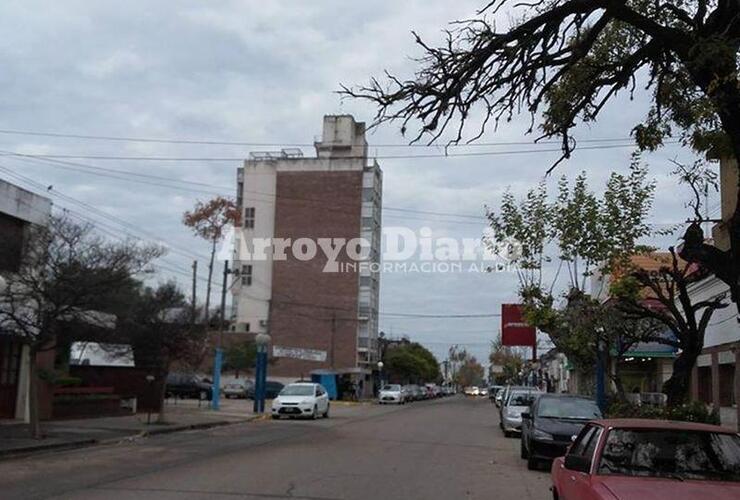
{"x": 263, "y": 73}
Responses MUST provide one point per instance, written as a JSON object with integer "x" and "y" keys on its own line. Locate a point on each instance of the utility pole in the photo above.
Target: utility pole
{"x": 195, "y": 290}
{"x": 218, "y": 360}
{"x": 600, "y": 372}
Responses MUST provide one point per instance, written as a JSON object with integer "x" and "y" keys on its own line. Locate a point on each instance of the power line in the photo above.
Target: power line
{"x": 106, "y": 228}
{"x": 101, "y": 213}
{"x": 212, "y": 142}
{"x": 376, "y": 157}
{"x": 118, "y": 173}
{"x": 440, "y": 316}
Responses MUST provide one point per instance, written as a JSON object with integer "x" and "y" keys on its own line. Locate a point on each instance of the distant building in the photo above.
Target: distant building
{"x": 19, "y": 211}
{"x": 319, "y": 316}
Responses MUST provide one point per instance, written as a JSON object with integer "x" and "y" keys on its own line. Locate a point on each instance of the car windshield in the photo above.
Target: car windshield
{"x": 521, "y": 398}
{"x": 573, "y": 408}
{"x": 297, "y": 390}
{"x": 695, "y": 455}
{"x": 392, "y": 388}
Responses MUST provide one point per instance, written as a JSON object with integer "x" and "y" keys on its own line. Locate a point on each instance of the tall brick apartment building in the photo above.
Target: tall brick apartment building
{"x": 319, "y": 318}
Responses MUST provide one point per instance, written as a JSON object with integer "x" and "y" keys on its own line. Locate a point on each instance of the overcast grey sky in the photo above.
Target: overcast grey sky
{"x": 266, "y": 72}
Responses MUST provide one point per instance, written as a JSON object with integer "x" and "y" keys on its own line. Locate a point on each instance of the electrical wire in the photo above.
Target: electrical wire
{"x": 363, "y": 157}
{"x": 212, "y": 142}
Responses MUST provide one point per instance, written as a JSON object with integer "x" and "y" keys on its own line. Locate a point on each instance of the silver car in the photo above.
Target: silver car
{"x": 391, "y": 393}
{"x": 517, "y": 402}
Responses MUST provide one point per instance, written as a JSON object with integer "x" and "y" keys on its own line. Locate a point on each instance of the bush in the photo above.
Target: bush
{"x": 59, "y": 379}
{"x": 696, "y": 411}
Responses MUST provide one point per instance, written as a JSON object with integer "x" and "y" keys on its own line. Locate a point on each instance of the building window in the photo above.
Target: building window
{"x": 249, "y": 217}
{"x": 247, "y": 275}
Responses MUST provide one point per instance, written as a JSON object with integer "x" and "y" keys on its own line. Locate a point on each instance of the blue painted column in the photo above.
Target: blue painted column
{"x": 260, "y": 380}
{"x": 216, "y": 387}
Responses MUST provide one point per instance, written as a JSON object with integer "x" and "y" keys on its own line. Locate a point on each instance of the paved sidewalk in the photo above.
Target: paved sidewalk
{"x": 64, "y": 434}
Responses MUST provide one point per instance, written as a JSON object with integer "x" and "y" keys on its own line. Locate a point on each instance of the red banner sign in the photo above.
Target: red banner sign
{"x": 514, "y": 330}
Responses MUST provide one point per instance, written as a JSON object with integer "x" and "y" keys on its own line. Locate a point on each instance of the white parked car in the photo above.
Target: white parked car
{"x": 392, "y": 393}
{"x": 301, "y": 400}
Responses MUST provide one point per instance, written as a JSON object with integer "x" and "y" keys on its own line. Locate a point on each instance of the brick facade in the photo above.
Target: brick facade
{"x": 311, "y": 308}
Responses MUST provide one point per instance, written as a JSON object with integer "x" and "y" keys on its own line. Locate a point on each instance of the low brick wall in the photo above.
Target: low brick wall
{"x": 126, "y": 382}
{"x": 87, "y": 406}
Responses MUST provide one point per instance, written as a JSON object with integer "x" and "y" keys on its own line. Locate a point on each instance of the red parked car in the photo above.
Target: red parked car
{"x": 625, "y": 459}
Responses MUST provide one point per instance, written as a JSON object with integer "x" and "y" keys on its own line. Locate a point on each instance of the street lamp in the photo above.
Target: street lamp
{"x": 260, "y": 377}
{"x": 380, "y": 372}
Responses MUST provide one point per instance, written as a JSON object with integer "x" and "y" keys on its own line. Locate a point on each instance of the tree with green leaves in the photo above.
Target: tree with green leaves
{"x": 508, "y": 358}
{"x": 580, "y": 231}
{"x": 240, "y": 357}
{"x": 410, "y": 362}
{"x": 209, "y": 221}
{"x": 470, "y": 372}
{"x": 563, "y": 61}
{"x": 587, "y": 235}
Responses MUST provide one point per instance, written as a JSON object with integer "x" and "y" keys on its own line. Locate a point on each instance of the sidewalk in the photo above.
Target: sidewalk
{"x": 66, "y": 434}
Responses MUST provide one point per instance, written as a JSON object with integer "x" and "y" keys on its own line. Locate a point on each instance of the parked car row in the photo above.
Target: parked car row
{"x": 402, "y": 394}
{"x": 186, "y": 385}
{"x": 183, "y": 385}
{"x": 493, "y": 391}
{"x": 515, "y": 401}
{"x": 594, "y": 458}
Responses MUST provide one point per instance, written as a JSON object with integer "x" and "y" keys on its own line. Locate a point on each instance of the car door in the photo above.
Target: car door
{"x": 528, "y": 424}
{"x": 323, "y": 398}
{"x": 574, "y": 484}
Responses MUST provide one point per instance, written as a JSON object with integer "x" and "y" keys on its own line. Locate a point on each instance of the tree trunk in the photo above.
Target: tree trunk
{"x": 717, "y": 77}
{"x": 617, "y": 379}
{"x": 677, "y": 387}
{"x": 162, "y": 396}
{"x": 33, "y": 398}
{"x": 208, "y": 287}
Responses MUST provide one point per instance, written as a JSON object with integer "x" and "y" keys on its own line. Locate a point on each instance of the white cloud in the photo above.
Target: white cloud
{"x": 121, "y": 61}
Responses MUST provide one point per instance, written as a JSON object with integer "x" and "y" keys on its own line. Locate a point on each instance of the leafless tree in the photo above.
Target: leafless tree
{"x": 66, "y": 274}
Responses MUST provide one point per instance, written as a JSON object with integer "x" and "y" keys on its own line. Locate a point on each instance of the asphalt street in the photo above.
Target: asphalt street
{"x": 444, "y": 449}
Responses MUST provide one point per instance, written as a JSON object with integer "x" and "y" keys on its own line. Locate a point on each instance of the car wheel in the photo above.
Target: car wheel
{"x": 326, "y": 413}
{"x": 507, "y": 434}
{"x": 522, "y": 449}
{"x": 276, "y": 417}
{"x": 532, "y": 463}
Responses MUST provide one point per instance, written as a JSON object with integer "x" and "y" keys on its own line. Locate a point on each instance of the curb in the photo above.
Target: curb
{"x": 30, "y": 450}
{"x": 192, "y": 427}
{"x": 86, "y": 443}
